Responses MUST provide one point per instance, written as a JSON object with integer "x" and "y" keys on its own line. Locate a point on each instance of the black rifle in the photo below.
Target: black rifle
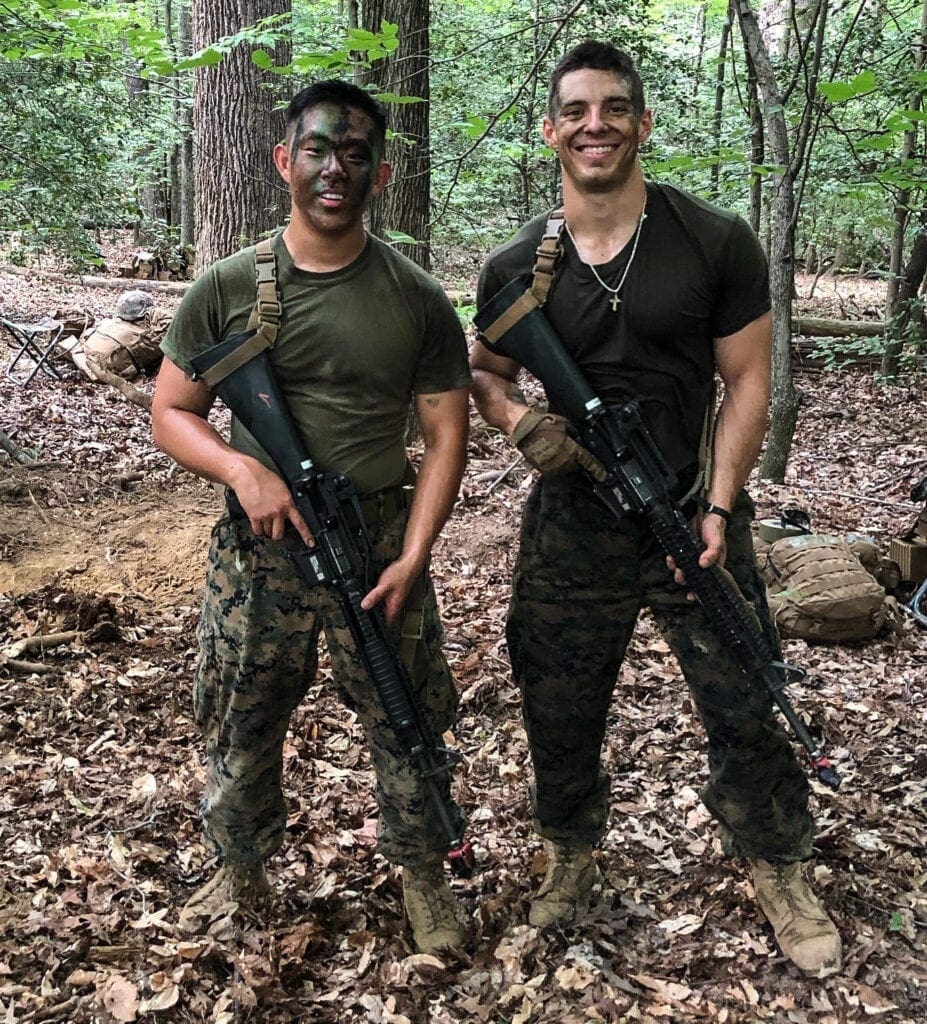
{"x": 639, "y": 481}
{"x": 339, "y": 559}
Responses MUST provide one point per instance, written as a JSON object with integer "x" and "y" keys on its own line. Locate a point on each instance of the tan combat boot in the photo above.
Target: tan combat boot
{"x": 432, "y": 908}
{"x": 232, "y": 887}
{"x": 806, "y": 935}
{"x": 571, "y": 874}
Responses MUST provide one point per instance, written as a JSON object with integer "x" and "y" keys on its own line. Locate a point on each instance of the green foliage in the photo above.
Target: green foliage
{"x": 74, "y": 149}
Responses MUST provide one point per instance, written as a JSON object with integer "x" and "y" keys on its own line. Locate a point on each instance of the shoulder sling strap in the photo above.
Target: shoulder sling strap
{"x": 547, "y": 254}
{"x": 265, "y": 316}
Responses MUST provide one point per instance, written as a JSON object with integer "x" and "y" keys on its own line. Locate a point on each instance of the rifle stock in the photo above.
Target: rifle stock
{"x": 639, "y": 481}
{"x": 339, "y": 559}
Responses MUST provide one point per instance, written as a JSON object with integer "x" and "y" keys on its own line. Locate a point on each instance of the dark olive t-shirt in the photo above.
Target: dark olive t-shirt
{"x": 699, "y": 274}
{"x": 354, "y": 346}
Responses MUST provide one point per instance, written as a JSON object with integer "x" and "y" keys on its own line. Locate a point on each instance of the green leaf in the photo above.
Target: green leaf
{"x": 262, "y": 59}
{"x": 397, "y": 237}
{"x": 836, "y": 92}
{"x": 761, "y": 170}
{"x": 392, "y": 97}
{"x": 840, "y": 92}
{"x": 473, "y": 125}
{"x": 878, "y": 142}
{"x": 896, "y": 922}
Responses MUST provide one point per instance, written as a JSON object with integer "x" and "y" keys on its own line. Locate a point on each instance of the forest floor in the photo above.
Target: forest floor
{"x": 101, "y": 763}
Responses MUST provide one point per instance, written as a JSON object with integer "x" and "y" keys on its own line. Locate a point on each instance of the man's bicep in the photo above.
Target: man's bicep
{"x": 175, "y": 390}
{"x": 443, "y": 414}
{"x": 746, "y": 353}
{"x": 482, "y": 359}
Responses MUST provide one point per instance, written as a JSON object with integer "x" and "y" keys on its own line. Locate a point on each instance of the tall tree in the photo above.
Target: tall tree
{"x": 239, "y": 196}
{"x": 405, "y": 204}
{"x": 789, "y": 154}
{"x": 903, "y": 288}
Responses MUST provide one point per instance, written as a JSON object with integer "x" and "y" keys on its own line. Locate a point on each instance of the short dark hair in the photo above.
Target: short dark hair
{"x": 599, "y": 57}
{"x": 336, "y": 91}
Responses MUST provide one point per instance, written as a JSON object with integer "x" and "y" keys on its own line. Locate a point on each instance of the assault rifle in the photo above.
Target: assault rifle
{"x": 639, "y": 481}
{"x": 340, "y": 559}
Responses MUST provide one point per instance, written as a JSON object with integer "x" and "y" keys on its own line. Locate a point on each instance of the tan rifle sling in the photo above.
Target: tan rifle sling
{"x": 545, "y": 265}
{"x": 265, "y": 316}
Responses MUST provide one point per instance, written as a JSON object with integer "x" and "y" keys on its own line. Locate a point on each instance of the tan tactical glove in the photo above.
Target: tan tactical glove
{"x": 545, "y": 443}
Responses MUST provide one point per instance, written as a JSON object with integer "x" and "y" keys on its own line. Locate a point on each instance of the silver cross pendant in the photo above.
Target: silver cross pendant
{"x": 614, "y": 300}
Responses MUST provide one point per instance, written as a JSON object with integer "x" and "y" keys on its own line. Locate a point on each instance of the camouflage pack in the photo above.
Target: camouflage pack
{"x": 820, "y": 591}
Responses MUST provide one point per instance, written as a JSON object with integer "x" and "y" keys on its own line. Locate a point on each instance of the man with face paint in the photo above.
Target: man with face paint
{"x": 653, "y": 293}
{"x": 363, "y": 333}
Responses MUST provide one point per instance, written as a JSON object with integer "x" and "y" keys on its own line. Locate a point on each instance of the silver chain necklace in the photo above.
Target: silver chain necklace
{"x": 614, "y": 300}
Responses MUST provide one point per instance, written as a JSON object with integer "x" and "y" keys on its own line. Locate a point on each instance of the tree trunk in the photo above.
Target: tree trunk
{"x": 405, "y": 204}
{"x": 138, "y": 90}
{"x": 898, "y": 304}
{"x": 757, "y": 146}
{"x": 784, "y": 410}
{"x": 239, "y": 195}
{"x": 903, "y": 306}
{"x": 187, "y": 175}
{"x": 719, "y": 98}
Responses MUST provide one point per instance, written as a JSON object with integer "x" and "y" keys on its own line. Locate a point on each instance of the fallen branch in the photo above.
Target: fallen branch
{"x": 40, "y": 642}
{"x": 505, "y": 472}
{"x": 15, "y": 665}
{"x": 56, "y": 1012}
{"x": 14, "y": 451}
{"x": 908, "y": 505}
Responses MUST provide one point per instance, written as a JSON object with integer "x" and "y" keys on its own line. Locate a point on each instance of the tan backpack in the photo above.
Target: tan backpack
{"x": 820, "y": 591}
{"x": 124, "y": 347}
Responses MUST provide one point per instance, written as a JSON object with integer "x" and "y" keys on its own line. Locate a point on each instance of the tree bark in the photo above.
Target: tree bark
{"x": 187, "y": 176}
{"x": 784, "y": 411}
{"x": 239, "y": 195}
{"x": 899, "y": 295}
{"x": 405, "y": 204}
{"x": 719, "y": 98}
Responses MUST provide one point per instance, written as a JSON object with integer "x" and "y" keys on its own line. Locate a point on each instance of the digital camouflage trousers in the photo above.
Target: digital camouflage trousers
{"x": 258, "y": 637}
{"x": 581, "y": 579}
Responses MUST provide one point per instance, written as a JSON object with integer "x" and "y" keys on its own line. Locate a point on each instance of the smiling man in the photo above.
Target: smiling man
{"x": 653, "y": 292}
{"x": 361, "y": 332}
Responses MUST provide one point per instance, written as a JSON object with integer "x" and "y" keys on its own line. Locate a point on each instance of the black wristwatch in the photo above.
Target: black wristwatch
{"x": 710, "y": 509}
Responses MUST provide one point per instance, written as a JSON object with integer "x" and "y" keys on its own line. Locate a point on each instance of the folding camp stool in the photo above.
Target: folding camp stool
{"x": 36, "y": 342}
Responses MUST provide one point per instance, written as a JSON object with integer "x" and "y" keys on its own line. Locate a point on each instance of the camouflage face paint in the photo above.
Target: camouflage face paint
{"x": 334, "y": 159}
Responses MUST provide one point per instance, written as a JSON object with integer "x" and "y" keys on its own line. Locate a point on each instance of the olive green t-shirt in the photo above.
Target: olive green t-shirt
{"x": 354, "y": 346}
{"x": 699, "y": 274}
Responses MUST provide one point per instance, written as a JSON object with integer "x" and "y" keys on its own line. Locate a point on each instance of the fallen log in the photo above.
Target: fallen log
{"x": 821, "y": 327}
{"x": 83, "y": 280}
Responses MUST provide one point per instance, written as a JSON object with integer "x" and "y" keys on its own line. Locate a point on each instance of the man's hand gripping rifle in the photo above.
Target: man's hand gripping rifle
{"x": 340, "y": 559}
{"x": 639, "y": 481}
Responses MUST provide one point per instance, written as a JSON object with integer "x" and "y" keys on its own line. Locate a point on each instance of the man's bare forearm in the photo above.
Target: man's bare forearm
{"x": 739, "y": 433}
{"x": 193, "y": 443}
{"x": 497, "y": 399}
